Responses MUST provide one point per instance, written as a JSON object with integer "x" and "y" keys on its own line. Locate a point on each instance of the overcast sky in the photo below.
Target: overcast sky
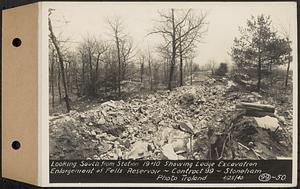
{"x": 90, "y": 18}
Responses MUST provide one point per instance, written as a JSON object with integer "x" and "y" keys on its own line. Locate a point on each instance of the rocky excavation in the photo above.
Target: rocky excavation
{"x": 205, "y": 121}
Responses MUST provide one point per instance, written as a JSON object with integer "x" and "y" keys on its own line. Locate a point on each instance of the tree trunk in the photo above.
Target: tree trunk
{"x": 52, "y": 78}
{"x": 61, "y": 62}
{"x": 82, "y": 75}
{"x": 287, "y": 71}
{"x": 90, "y": 65}
{"x": 123, "y": 69}
{"x": 166, "y": 71}
{"x": 91, "y": 86}
{"x": 58, "y": 86}
{"x": 271, "y": 74}
{"x": 77, "y": 85}
{"x": 97, "y": 66}
{"x": 67, "y": 72}
{"x": 173, "y": 52}
{"x": 119, "y": 63}
{"x": 95, "y": 76}
{"x": 191, "y": 72}
{"x": 171, "y": 76}
{"x": 150, "y": 73}
{"x": 142, "y": 71}
{"x": 181, "y": 63}
{"x": 70, "y": 78}
{"x": 257, "y": 110}
{"x": 259, "y": 70}
{"x": 256, "y": 106}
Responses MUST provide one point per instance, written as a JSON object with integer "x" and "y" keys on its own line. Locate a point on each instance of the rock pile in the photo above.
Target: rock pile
{"x": 164, "y": 125}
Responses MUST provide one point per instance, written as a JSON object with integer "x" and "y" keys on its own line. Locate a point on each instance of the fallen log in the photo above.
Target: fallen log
{"x": 253, "y": 113}
{"x": 256, "y": 110}
{"x": 257, "y": 107}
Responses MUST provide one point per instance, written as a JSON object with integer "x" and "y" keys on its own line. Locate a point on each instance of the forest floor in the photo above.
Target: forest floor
{"x": 189, "y": 122}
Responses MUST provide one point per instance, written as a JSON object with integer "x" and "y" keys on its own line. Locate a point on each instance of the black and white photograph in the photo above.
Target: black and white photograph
{"x": 171, "y": 80}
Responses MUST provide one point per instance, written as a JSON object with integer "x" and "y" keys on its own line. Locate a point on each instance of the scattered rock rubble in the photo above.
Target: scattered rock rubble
{"x": 182, "y": 124}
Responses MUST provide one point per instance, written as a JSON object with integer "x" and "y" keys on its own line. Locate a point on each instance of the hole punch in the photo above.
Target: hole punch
{"x": 16, "y": 42}
{"x": 16, "y": 145}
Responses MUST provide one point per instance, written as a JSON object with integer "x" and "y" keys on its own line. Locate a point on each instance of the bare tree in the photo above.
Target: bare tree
{"x": 61, "y": 61}
{"x": 150, "y": 70}
{"x": 127, "y": 55}
{"x": 180, "y": 32}
{"x": 116, "y": 27}
{"x": 191, "y": 71}
{"x": 82, "y": 72}
{"x": 211, "y": 65}
{"x": 91, "y": 51}
{"x": 167, "y": 29}
{"x": 142, "y": 67}
{"x": 190, "y": 31}
{"x": 190, "y": 66}
{"x": 166, "y": 56}
{"x": 72, "y": 72}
